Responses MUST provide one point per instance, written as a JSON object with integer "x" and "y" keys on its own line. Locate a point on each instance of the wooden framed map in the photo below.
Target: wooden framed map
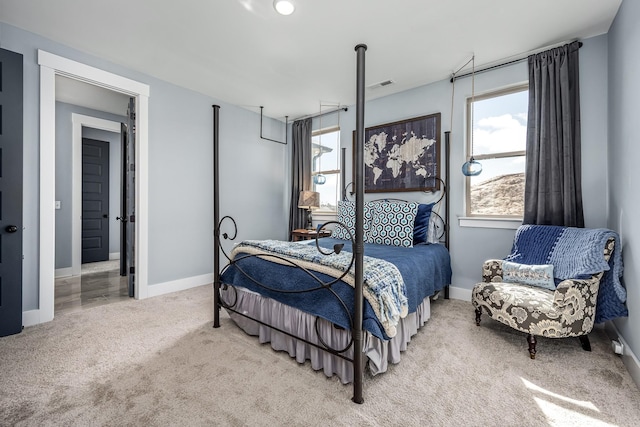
{"x": 402, "y": 156}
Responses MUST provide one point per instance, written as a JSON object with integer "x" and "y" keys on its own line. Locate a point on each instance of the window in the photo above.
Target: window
{"x": 499, "y": 142}
{"x": 325, "y": 167}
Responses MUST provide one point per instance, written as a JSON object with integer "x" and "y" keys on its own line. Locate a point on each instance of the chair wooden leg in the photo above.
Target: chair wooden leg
{"x": 478, "y": 314}
{"x": 532, "y": 345}
{"x": 584, "y": 341}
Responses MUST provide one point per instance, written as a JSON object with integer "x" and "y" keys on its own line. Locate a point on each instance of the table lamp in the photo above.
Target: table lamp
{"x": 309, "y": 200}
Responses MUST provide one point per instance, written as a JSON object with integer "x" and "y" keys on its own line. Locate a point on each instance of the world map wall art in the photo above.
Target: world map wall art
{"x": 402, "y": 156}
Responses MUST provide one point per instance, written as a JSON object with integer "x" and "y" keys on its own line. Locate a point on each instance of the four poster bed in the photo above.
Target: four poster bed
{"x": 321, "y": 300}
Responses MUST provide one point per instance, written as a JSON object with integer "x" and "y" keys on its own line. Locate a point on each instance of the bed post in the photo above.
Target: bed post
{"x": 216, "y": 219}
{"x": 447, "y": 243}
{"x": 358, "y": 360}
{"x": 343, "y": 164}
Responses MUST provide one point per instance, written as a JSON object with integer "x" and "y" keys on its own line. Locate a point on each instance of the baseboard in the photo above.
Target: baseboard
{"x": 629, "y": 359}
{"x": 114, "y": 255}
{"x": 63, "y": 272}
{"x": 459, "y": 293}
{"x": 30, "y": 318}
{"x": 179, "y": 285}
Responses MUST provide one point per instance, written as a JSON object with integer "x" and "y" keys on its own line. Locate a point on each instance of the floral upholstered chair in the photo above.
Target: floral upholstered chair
{"x": 530, "y": 299}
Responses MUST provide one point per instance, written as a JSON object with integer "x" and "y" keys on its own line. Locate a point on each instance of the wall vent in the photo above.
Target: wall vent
{"x": 381, "y": 84}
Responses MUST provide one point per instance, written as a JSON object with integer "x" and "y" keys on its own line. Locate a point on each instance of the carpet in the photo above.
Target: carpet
{"x": 159, "y": 362}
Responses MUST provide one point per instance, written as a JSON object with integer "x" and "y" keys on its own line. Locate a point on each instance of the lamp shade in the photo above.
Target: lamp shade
{"x": 309, "y": 199}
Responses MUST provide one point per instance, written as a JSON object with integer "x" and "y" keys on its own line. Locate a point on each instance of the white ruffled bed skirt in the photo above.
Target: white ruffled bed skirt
{"x": 378, "y": 353}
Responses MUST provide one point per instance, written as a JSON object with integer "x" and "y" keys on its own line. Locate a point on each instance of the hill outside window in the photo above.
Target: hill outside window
{"x": 499, "y": 141}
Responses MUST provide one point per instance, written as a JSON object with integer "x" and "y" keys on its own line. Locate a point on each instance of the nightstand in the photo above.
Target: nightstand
{"x": 302, "y": 234}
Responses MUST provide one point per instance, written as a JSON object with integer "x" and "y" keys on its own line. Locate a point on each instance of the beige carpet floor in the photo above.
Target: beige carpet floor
{"x": 159, "y": 362}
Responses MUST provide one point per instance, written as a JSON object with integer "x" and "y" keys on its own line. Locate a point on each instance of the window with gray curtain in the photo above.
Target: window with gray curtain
{"x": 300, "y": 171}
{"x": 553, "y": 187}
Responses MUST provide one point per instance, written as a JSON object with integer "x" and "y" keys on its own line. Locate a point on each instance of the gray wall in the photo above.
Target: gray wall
{"x": 624, "y": 150}
{"x": 180, "y": 170}
{"x": 471, "y": 246}
{"x": 64, "y": 136}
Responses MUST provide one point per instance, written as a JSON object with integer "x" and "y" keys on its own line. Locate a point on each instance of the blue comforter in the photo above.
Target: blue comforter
{"x": 425, "y": 270}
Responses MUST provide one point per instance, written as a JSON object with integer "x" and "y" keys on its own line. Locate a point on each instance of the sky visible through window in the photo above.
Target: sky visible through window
{"x": 500, "y": 125}
{"x": 328, "y": 144}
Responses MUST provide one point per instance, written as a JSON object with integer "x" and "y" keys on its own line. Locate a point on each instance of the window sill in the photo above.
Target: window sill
{"x": 480, "y": 222}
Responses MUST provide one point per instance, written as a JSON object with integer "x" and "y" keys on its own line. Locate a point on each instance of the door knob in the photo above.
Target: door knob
{"x": 105, "y": 216}
{"x": 11, "y": 228}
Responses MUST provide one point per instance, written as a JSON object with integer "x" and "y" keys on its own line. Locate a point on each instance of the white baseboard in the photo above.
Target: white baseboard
{"x": 30, "y": 318}
{"x": 63, "y": 272}
{"x": 629, "y": 359}
{"x": 179, "y": 285}
{"x": 114, "y": 255}
{"x": 459, "y": 293}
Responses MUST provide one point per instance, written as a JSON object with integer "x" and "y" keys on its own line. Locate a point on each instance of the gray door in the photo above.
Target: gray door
{"x": 131, "y": 194}
{"x": 123, "y": 199}
{"x": 95, "y": 200}
{"x": 10, "y": 192}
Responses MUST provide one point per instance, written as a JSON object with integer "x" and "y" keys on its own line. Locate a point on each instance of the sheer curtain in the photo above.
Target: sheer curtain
{"x": 300, "y": 171}
{"x": 553, "y": 186}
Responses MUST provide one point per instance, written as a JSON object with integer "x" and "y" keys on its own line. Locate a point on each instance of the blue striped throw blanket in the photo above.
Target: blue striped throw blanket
{"x": 383, "y": 285}
{"x": 576, "y": 253}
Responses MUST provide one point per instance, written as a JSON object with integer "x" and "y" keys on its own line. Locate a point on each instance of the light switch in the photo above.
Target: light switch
{"x": 57, "y": 204}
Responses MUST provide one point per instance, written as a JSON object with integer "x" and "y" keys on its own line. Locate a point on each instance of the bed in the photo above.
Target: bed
{"x": 321, "y": 299}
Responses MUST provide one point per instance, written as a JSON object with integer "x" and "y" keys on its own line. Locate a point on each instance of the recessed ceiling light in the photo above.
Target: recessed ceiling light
{"x": 284, "y": 7}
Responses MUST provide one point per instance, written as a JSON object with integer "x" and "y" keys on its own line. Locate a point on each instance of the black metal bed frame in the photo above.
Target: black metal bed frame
{"x": 356, "y": 320}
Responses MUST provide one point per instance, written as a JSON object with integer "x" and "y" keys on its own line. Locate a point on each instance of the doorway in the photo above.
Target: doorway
{"x": 50, "y": 66}
{"x": 95, "y": 278}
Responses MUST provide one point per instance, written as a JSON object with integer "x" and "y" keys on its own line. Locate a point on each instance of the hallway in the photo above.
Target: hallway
{"x": 99, "y": 284}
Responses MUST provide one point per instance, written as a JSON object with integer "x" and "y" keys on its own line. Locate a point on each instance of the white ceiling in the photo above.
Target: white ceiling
{"x": 243, "y": 52}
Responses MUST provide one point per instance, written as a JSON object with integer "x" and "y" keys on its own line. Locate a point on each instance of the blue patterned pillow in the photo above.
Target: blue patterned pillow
{"x": 534, "y": 275}
{"x": 421, "y": 225}
{"x": 392, "y": 224}
{"x": 347, "y": 216}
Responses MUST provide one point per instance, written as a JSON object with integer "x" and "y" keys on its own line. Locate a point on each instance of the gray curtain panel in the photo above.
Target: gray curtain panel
{"x": 553, "y": 187}
{"x": 300, "y": 171}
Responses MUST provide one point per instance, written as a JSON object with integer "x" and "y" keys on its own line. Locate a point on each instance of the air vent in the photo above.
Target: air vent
{"x": 380, "y": 84}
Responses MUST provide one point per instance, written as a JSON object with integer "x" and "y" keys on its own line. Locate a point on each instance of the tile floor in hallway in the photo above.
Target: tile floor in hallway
{"x": 99, "y": 284}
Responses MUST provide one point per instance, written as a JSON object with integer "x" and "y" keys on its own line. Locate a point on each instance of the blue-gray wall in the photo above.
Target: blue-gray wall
{"x": 180, "y": 170}
{"x": 64, "y": 139}
{"x": 624, "y": 150}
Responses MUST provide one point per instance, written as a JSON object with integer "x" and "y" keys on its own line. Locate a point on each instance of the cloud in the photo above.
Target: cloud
{"x": 499, "y": 134}
{"x": 504, "y": 121}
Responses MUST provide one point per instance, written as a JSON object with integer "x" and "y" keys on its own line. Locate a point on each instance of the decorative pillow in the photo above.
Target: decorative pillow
{"x": 347, "y": 216}
{"x": 421, "y": 225}
{"x": 534, "y": 275}
{"x": 434, "y": 232}
{"x": 392, "y": 224}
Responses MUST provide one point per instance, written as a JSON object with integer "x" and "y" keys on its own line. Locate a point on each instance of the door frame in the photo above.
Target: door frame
{"x": 78, "y": 122}
{"x": 50, "y": 66}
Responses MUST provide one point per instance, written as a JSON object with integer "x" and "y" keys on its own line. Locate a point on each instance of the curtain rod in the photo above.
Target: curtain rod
{"x": 492, "y": 67}
{"x": 313, "y": 116}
